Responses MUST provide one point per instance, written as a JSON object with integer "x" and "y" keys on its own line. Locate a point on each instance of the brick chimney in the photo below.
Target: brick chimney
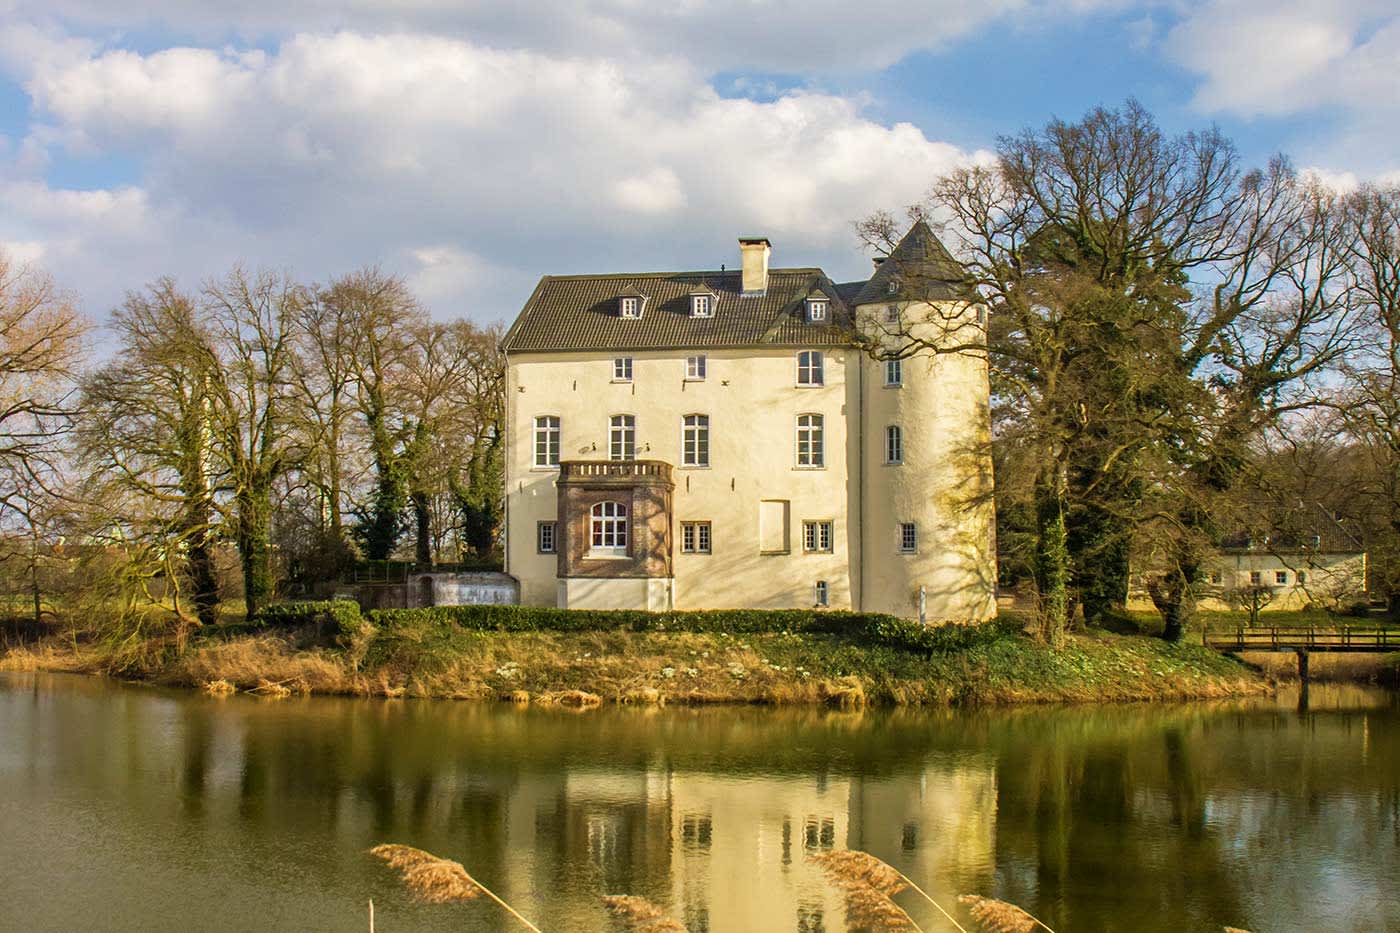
{"x": 753, "y": 258}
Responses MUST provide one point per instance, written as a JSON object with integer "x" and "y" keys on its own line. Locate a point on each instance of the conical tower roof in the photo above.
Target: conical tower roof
{"x": 919, "y": 269}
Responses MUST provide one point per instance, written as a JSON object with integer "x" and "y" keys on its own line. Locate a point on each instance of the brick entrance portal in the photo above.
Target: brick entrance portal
{"x": 643, "y": 488}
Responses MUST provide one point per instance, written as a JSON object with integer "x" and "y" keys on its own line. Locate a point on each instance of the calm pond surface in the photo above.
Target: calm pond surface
{"x": 132, "y": 808}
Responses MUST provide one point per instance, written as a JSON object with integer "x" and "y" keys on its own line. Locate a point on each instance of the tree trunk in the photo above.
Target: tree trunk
{"x": 255, "y": 544}
{"x": 422, "y": 518}
{"x": 1052, "y": 569}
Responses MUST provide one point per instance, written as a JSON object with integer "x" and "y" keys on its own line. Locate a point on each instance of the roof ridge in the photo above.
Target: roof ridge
{"x": 792, "y": 270}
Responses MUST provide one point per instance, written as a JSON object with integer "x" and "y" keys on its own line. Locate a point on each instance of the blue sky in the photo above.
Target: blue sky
{"x": 474, "y": 146}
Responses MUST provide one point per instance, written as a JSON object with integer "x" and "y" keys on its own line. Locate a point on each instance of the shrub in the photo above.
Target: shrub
{"x": 866, "y": 628}
{"x": 338, "y": 617}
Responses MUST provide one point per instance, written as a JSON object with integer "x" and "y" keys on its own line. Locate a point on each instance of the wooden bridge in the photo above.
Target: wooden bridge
{"x": 1303, "y": 642}
{"x": 1373, "y": 638}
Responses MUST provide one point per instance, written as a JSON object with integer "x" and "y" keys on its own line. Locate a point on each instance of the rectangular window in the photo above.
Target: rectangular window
{"x": 810, "y": 368}
{"x": 823, "y": 596}
{"x": 1302, "y": 577}
{"x": 701, "y": 306}
{"x": 892, "y": 314}
{"x": 894, "y": 444}
{"x": 630, "y": 307}
{"x": 695, "y": 537}
{"x": 908, "y": 537}
{"x": 545, "y": 537}
{"x": 622, "y": 437}
{"x": 811, "y": 450}
{"x": 1255, "y": 578}
{"x": 695, "y": 368}
{"x": 773, "y": 526}
{"x": 546, "y": 441}
{"x": 695, "y": 441}
{"x": 816, "y": 311}
{"x": 622, "y": 369}
{"x": 1280, "y": 577}
{"x": 816, "y": 536}
{"x": 894, "y": 372}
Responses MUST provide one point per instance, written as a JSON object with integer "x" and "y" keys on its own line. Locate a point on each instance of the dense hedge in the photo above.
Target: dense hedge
{"x": 336, "y": 616}
{"x": 870, "y": 628}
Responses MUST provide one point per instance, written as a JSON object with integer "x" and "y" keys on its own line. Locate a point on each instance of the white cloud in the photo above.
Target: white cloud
{"x": 341, "y": 149}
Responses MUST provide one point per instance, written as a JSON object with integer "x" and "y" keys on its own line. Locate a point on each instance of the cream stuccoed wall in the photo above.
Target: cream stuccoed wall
{"x": 943, "y": 485}
{"x": 752, "y": 399}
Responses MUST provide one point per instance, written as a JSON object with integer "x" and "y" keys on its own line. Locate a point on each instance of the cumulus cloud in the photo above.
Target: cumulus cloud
{"x": 341, "y": 149}
{"x": 810, "y": 37}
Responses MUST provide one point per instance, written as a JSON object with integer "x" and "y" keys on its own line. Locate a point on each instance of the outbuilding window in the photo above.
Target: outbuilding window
{"x": 908, "y": 537}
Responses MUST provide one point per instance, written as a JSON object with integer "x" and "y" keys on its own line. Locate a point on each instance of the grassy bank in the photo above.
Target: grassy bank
{"x": 684, "y": 658}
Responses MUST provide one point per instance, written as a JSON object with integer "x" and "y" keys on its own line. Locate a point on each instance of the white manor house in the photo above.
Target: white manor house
{"x": 759, "y": 438}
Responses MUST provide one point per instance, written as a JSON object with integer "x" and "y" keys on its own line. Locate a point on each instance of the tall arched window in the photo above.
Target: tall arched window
{"x": 608, "y": 525}
{"x": 811, "y": 445}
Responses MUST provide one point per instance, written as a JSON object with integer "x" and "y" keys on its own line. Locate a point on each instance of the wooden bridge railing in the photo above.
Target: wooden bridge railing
{"x": 1282, "y": 638}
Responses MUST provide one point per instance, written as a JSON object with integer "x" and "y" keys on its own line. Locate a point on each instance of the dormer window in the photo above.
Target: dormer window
{"x": 816, "y": 310}
{"x": 892, "y": 287}
{"x": 702, "y": 305}
{"x": 629, "y": 306}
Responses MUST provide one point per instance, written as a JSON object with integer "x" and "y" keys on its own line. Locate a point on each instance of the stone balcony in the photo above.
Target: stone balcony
{"x": 615, "y": 472}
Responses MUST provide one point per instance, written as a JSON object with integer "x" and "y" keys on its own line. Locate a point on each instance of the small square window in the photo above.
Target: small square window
{"x": 1280, "y": 576}
{"x": 544, "y": 537}
{"x": 908, "y": 537}
{"x": 695, "y": 368}
{"x": 822, "y": 594}
{"x": 816, "y": 537}
{"x": 695, "y": 537}
{"x": 622, "y": 369}
{"x": 1255, "y": 578}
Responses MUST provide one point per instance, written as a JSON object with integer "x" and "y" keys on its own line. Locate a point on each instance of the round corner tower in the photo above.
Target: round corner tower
{"x": 927, "y": 513}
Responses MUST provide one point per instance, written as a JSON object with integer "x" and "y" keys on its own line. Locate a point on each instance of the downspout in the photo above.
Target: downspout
{"x": 860, "y": 481}
{"x": 505, "y": 469}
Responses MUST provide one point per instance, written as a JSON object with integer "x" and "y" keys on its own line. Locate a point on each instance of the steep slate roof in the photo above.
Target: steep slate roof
{"x": 1271, "y": 529}
{"x": 579, "y": 312}
{"x": 921, "y": 269}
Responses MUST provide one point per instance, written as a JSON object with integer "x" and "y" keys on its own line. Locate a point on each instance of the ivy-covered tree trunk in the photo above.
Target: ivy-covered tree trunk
{"x": 1052, "y": 561}
{"x": 1174, "y": 592}
{"x": 255, "y": 543}
{"x": 382, "y": 522}
{"x": 198, "y": 513}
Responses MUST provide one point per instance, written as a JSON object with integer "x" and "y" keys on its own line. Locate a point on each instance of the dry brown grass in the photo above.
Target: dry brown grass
{"x": 641, "y": 914}
{"x": 994, "y": 916}
{"x": 576, "y": 699}
{"x": 30, "y": 659}
{"x": 518, "y": 697}
{"x": 438, "y": 880}
{"x": 218, "y": 688}
{"x": 847, "y": 693}
{"x": 254, "y": 663}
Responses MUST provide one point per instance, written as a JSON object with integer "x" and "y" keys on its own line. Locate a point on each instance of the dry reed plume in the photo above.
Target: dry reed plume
{"x": 642, "y": 914}
{"x": 438, "y": 880}
{"x": 869, "y": 884}
{"x": 995, "y": 916}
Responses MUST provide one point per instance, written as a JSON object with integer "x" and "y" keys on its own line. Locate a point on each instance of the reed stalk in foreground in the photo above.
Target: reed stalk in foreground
{"x": 869, "y": 885}
{"x": 438, "y": 880}
{"x": 644, "y": 916}
{"x": 995, "y": 916}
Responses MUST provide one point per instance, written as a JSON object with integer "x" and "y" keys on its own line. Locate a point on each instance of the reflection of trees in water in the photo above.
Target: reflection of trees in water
{"x": 1176, "y": 817}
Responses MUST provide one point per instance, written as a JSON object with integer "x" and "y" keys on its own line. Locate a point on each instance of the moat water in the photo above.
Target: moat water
{"x": 134, "y": 808}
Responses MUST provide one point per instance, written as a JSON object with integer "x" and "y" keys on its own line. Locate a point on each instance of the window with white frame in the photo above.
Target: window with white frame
{"x": 702, "y": 306}
{"x": 816, "y": 310}
{"x": 546, "y": 441}
{"x": 695, "y": 441}
{"x": 629, "y": 306}
{"x": 695, "y": 537}
{"x": 608, "y": 529}
{"x": 894, "y": 372}
{"x": 811, "y": 369}
{"x": 695, "y": 368}
{"x": 622, "y": 437}
{"x": 544, "y": 537}
{"x": 622, "y": 369}
{"x": 822, "y": 594}
{"x": 908, "y": 537}
{"x": 894, "y": 444}
{"x": 811, "y": 450}
{"x": 892, "y": 287}
{"x": 816, "y": 536}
